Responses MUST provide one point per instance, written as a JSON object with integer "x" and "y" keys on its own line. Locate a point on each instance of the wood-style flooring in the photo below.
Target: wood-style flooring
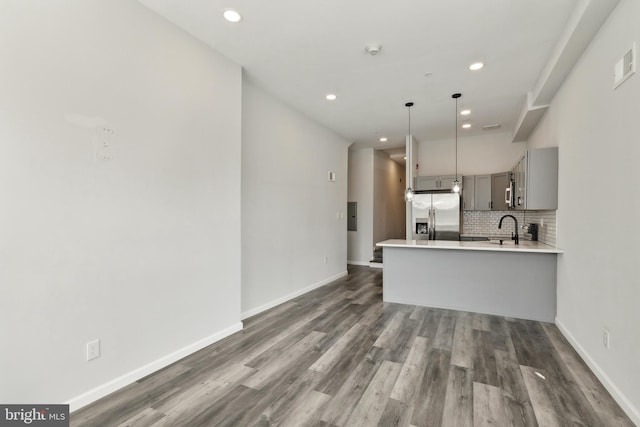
{"x": 339, "y": 356}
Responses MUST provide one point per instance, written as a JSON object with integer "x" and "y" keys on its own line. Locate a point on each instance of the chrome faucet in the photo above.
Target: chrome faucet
{"x": 513, "y": 236}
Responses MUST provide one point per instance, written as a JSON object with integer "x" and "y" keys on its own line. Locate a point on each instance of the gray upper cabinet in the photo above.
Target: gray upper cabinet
{"x": 468, "y": 193}
{"x": 519, "y": 176}
{"x": 482, "y": 190}
{"x": 446, "y": 182}
{"x": 429, "y": 183}
{"x": 425, "y": 183}
{"x": 499, "y": 184}
{"x": 539, "y": 171}
{"x": 476, "y": 193}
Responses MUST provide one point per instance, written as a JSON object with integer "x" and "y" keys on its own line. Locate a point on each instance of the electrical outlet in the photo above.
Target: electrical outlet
{"x": 93, "y": 350}
{"x": 605, "y": 339}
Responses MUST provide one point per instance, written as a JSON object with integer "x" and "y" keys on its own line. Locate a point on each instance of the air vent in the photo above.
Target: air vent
{"x": 490, "y": 127}
{"x": 625, "y": 67}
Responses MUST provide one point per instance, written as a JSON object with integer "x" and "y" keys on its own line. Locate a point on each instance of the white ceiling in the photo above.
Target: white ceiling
{"x": 301, "y": 50}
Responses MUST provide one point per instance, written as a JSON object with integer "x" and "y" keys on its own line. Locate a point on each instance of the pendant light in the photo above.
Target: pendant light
{"x": 456, "y": 184}
{"x": 408, "y": 193}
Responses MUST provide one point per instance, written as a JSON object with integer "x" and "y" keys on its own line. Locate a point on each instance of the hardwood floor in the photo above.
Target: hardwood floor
{"x": 338, "y": 356}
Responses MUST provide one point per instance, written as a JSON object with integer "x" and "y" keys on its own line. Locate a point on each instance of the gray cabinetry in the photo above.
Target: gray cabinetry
{"x": 533, "y": 184}
{"x": 482, "y": 190}
{"x": 499, "y": 183}
{"x": 541, "y": 179}
{"x": 425, "y": 183}
{"x": 429, "y": 183}
{"x": 536, "y": 180}
{"x": 446, "y": 182}
{"x": 468, "y": 193}
{"x": 519, "y": 176}
{"x": 476, "y": 193}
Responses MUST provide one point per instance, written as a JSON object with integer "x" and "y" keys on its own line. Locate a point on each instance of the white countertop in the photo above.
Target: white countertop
{"x": 492, "y": 245}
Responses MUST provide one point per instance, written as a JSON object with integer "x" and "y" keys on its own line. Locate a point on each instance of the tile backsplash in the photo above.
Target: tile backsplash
{"x": 485, "y": 223}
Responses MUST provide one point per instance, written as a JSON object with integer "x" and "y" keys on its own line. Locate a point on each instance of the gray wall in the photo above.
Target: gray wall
{"x": 292, "y": 216}
{"x": 596, "y": 129}
{"x": 141, "y": 251}
{"x": 360, "y": 242}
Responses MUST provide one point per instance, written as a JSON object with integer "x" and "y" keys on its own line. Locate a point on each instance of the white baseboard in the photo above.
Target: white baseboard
{"x": 130, "y": 377}
{"x": 375, "y": 265}
{"x": 631, "y": 411}
{"x": 292, "y": 295}
{"x": 364, "y": 263}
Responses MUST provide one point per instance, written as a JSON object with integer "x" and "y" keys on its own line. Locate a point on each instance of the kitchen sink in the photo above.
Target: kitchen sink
{"x": 501, "y": 242}
{"x": 473, "y": 238}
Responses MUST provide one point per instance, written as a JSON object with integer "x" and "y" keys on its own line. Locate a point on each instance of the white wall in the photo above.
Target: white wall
{"x": 388, "y": 198}
{"x": 289, "y": 207}
{"x": 597, "y": 130}
{"x": 360, "y": 243}
{"x": 142, "y": 251}
{"x": 488, "y": 153}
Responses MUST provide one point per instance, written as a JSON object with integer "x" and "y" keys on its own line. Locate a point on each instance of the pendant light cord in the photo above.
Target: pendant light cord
{"x": 456, "y": 139}
{"x": 456, "y": 183}
{"x": 408, "y": 194}
{"x": 409, "y": 122}
{"x": 410, "y": 156}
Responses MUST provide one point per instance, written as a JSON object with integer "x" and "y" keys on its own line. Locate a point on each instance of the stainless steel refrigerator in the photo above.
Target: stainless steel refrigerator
{"x": 435, "y": 216}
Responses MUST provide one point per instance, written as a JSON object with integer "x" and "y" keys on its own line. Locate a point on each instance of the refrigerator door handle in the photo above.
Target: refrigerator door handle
{"x": 433, "y": 224}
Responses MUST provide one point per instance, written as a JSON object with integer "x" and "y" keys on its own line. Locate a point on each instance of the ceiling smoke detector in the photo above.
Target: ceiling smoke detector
{"x": 372, "y": 49}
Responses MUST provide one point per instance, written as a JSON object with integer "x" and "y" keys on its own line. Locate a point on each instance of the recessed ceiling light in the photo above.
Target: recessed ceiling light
{"x": 465, "y": 112}
{"x": 331, "y": 97}
{"x": 383, "y": 139}
{"x": 232, "y": 15}
{"x": 405, "y": 157}
{"x": 476, "y": 66}
{"x": 466, "y": 125}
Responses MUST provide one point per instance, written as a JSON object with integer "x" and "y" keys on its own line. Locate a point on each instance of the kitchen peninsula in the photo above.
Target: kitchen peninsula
{"x": 485, "y": 277}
